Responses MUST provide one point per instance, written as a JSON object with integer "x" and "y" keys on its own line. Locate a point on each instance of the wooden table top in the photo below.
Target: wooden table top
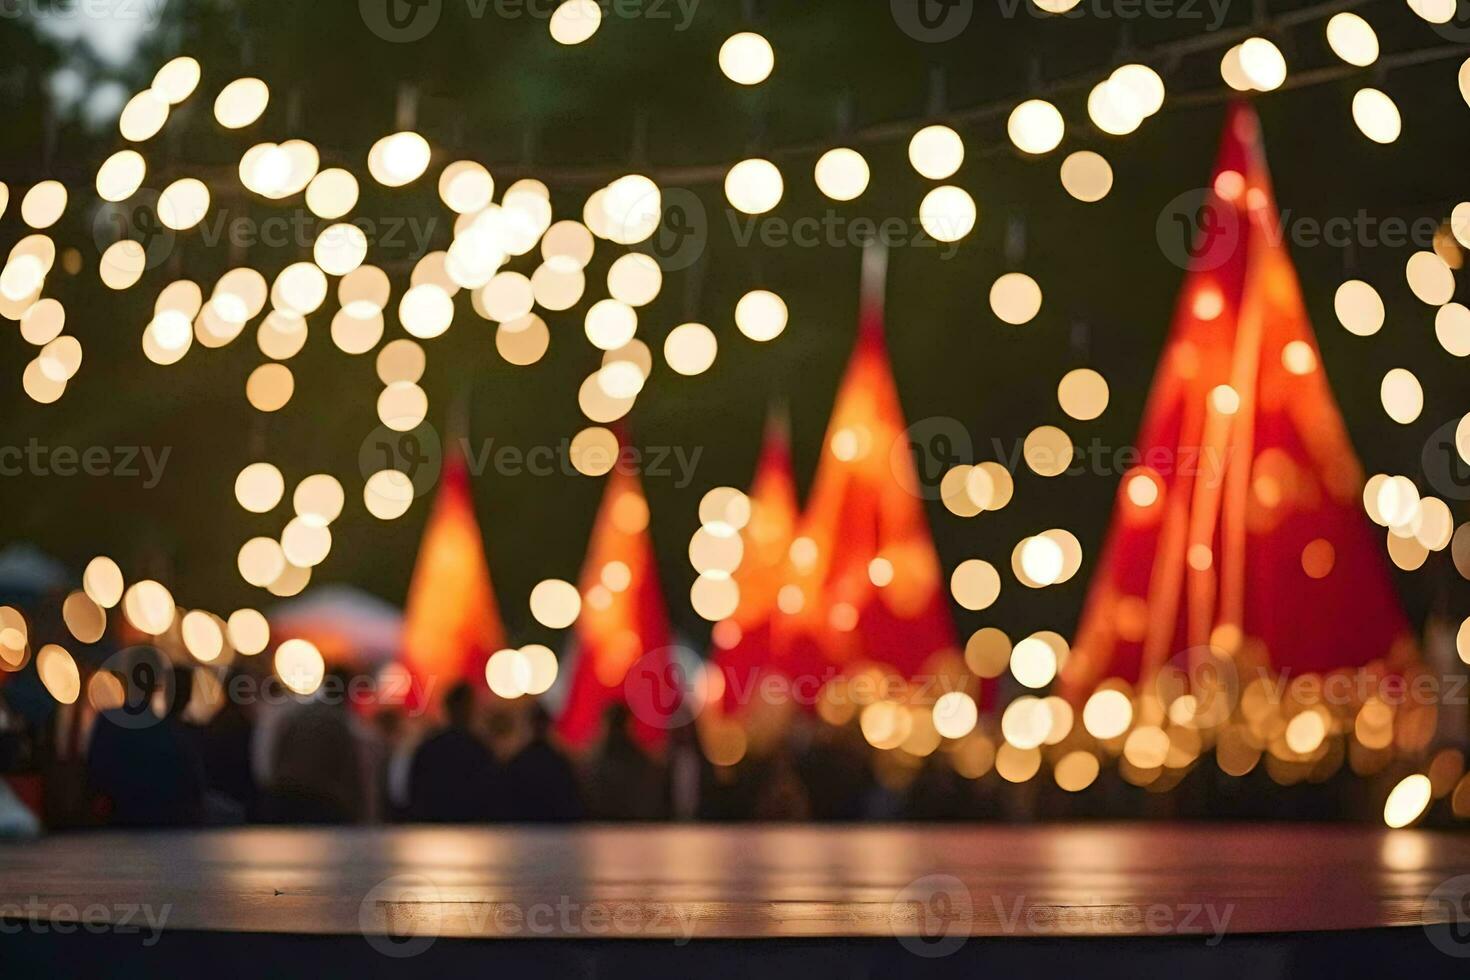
{"x": 712, "y": 882}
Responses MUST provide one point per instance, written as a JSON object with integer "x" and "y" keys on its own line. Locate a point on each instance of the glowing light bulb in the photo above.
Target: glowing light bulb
{"x": 747, "y": 58}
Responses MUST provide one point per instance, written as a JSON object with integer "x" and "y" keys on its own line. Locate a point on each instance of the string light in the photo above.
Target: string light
{"x": 575, "y": 21}
{"x": 1015, "y": 298}
{"x": 948, "y": 213}
{"x": 747, "y": 58}
{"x": 690, "y": 349}
{"x": 259, "y": 487}
{"x": 1376, "y": 115}
{"x": 388, "y": 494}
{"x": 754, "y": 186}
{"x": 1087, "y": 176}
{"x": 937, "y": 152}
{"x": 176, "y": 80}
{"x": 142, "y": 117}
{"x": 102, "y": 580}
{"x": 399, "y": 159}
{"x": 300, "y": 666}
{"x": 635, "y": 279}
{"x": 332, "y": 193}
{"x": 43, "y": 204}
{"x": 1359, "y": 308}
{"x": 1035, "y": 126}
{"x": 1352, "y": 39}
{"x": 241, "y": 103}
{"x": 842, "y": 174}
{"x": 761, "y": 315}
{"x": 555, "y": 603}
{"x": 1262, "y": 63}
{"x": 121, "y": 175}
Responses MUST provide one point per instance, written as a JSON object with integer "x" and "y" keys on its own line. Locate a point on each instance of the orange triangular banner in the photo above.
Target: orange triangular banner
{"x": 750, "y": 642}
{"x": 871, "y": 584}
{"x": 451, "y": 623}
{"x": 623, "y": 622}
{"x": 1241, "y": 529}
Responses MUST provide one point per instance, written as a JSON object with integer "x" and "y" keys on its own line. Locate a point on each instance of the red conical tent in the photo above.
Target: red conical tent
{"x": 1242, "y": 528}
{"x": 864, "y": 526}
{"x": 451, "y": 623}
{"x": 750, "y": 641}
{"x": 623, "y": 621}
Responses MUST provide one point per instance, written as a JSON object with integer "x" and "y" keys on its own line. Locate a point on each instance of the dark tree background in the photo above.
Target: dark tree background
{"x": 642, "y": 96}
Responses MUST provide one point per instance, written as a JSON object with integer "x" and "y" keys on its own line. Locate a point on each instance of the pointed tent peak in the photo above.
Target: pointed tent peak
{"x": 624, "y": 508}
{"x": 452, "y": 621}
{"x": 1241, "y": 176}
{"x": 776, "y": 443}
{"x": 1240, "y": 140}
{"x": 454, "y": 472}
{"x": 622, "y": 432}
{"x": 457, "y": 422}
{"x": 1223, "y": 225}
{"x": 1204, "y": 557}
{"x": 617, "y": 631}
{"x": 873, "y": 295}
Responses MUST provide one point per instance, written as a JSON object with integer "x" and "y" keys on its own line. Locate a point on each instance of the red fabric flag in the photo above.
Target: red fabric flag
{"x": 451, "y": 624}
{"x": 623, "y": 625}
{"x": 1241, "y": 528}
{"x": 864, "y": 526}
{"x": 750, "y": 642}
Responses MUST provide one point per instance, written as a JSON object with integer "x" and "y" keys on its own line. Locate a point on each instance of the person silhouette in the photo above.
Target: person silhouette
{"x": 145, "y": 770}
{"x": 541, "y": 784}
{"x": 453, "y": 777}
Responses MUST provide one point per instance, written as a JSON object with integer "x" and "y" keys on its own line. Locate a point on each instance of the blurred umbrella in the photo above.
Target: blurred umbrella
{"x": 27, "y": 572}
{"x": 345, "y": 623}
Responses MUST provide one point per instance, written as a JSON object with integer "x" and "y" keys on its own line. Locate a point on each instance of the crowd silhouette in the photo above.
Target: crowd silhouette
{"x": 286, "y": 759}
